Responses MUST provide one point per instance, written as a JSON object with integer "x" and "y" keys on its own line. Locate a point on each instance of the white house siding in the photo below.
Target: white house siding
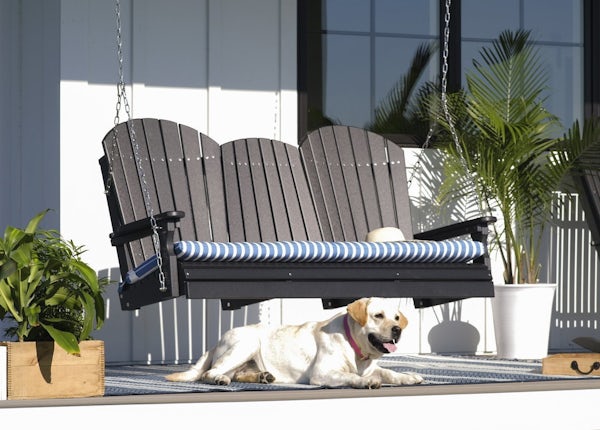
{"x": 224, "y": 67}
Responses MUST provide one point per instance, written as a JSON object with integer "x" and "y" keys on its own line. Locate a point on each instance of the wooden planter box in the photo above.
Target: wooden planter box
{"x": 572, "y": 364}
{"x": 41, "y": 370}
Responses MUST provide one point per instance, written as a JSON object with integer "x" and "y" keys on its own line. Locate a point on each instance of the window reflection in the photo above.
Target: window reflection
{"x": 360, "y": 54}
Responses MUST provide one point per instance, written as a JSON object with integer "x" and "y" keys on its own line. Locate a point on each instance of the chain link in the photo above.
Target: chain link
{"x": 123, "y": 103}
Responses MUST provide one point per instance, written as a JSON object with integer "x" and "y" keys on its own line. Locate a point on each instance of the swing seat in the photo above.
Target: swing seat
{"x": 255, "y": 219}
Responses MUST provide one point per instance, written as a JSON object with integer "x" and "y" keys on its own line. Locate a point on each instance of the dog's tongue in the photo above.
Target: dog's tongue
{"x": 391, "y": 347}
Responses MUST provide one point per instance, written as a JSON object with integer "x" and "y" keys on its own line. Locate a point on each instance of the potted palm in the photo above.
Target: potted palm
{"x": 513, "y": 155}
{"x": 53, "y": 301}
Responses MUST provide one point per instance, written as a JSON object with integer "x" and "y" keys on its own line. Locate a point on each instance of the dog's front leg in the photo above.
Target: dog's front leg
{"x": 335, "y": 378}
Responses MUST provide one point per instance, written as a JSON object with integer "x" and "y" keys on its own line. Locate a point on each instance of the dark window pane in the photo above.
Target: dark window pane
{"x": 346, "y": 15}
{"x": 416, "y": 17}
{"x": 346, "y": 79}
{"x": 554, "y": 20}
{"x": 487, "y": 19}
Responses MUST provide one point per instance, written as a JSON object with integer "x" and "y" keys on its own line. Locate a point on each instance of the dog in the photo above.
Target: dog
{"x": 340, "y": 351}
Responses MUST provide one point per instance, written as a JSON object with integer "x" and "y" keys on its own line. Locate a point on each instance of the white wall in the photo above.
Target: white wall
{"x": 29, "y": 116}
{"x": 226, "y": 68}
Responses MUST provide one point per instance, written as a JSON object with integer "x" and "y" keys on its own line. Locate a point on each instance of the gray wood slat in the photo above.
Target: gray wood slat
{"x": 178, "y": 184}
{"x": 319, "y": 180}
{"x": 339, "y": 205}
{"x": 261, "y": 193}
{"x": 196, "y": 210}
{"x": 397, "y": 167}
{"x": 215, "y": 185}
{"x": 155, "y": 168}
{"x": 248, "y": 208}
{"x": 288, "y": 208}
{"x": 301, "y": 188}
{"x": 381, "y": 174}
{"x": 121, "y": 211}
{"x": 135, "y": 128}
{"x": 268, "y": 192}
{"x": 235, "y": 222}
{"x": 348, "y": 146}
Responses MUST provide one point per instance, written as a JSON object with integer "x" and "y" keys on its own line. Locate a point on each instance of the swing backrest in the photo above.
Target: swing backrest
{"x": 266, "y": 192}
{"x": 243, "y": 190}
{"x": 175, "y": 161}
{"x": 358, "y": 182}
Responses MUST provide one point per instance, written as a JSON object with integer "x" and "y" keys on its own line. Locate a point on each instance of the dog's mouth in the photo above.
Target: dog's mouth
{"x": 382, "y": 345}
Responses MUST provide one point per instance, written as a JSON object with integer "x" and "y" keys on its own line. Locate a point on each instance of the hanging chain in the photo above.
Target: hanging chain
{"x": 444, "y": 83}
{"x": 123, "y": 103}
{"x": 446, "y": 110}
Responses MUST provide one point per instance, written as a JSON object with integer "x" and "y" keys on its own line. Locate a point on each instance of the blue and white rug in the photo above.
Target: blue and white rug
{"x": 436, "y": 369}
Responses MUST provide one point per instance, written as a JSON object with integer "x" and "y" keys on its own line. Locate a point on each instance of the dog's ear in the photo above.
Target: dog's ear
{"x": 358, "y": 311}
{"x": 402, "y": 322}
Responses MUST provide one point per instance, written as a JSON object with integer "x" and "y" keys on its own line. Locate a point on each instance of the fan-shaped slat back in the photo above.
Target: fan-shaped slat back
{"x": 358, "y": 181}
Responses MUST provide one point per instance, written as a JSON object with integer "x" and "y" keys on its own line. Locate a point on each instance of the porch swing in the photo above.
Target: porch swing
{"x": 255, "y": 219}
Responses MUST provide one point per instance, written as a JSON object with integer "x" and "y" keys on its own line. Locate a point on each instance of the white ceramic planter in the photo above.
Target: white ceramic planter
{"x": 522, "y": 316}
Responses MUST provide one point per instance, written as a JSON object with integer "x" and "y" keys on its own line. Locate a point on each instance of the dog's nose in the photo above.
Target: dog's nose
{"x": 396, "y": 331}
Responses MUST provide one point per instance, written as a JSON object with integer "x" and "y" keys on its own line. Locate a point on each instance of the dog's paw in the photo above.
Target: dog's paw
{"x": 265, "y": 378}
{"x": 369, "y": 383}
{"x": 211, "y": 378}
{"x": 222, "y": 380}
{"x": 410, "y": 378}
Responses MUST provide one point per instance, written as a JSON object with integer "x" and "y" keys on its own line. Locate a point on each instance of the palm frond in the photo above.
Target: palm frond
{"x": 400, "y": 109}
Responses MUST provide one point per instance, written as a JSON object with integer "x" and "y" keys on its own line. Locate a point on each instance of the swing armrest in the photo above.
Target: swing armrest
{"x": 143, "y": 227}
{"x": 477, "y": 228}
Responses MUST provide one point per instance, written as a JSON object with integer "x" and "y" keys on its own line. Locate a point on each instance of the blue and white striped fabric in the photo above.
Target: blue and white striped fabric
{"x": 446, "y": 251}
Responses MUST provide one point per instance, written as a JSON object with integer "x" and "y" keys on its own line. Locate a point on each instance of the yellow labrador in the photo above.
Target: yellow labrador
{"x": 340, "y": 351}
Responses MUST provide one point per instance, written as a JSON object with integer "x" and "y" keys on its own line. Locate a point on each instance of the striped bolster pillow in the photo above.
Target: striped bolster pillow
{"x": 446, "y": 251}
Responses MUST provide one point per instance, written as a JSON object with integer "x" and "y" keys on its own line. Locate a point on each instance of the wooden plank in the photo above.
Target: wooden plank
{"x": 338, "y": 203}
{"x": 247, "y": 196}
{"x": 320, "y": 182}
{"x": 309, "y": 161}
{"x": 401, "y": 198}
{"x": 270, "y": 194}
{"x": 288, "y": 211}
{"x": 176, "y": 190}
{"x": 155, "y": 169}
{"x": 197, "y": 211}
{"x": 117, "y": 146}
{"x": 302, "y": 192}
{"x": 382, "y": 177}
{"x": 215, "y": 184}
{"x": 130, "y": 190}
{"x": 235, "y": 221}
{"x": 350, "y": 148}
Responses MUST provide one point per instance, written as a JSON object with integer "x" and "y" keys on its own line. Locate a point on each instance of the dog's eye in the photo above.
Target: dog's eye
{"x": 397, "y": 317}
{"x": 379, "y": 316}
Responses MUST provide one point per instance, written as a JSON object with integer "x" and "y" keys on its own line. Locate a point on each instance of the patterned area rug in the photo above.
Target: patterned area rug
{"x": 436, "y": 369}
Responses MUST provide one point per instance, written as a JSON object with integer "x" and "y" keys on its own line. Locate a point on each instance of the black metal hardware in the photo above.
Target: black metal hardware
{"x": 595, "y": 366}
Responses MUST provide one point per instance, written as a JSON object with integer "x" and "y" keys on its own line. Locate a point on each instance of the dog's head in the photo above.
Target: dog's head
{"x": 378, "y": 324}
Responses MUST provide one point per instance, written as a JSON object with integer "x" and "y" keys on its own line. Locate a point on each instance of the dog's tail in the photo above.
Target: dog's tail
{"x": 196, "y": 371}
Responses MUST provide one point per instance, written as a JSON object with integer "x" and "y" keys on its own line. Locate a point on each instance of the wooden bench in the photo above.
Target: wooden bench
{"x": 337, "y": 185}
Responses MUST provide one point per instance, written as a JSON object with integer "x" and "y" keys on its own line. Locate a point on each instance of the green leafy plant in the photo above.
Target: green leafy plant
{"x": 510, "y": 152}
{"x": 45, "y": 287}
